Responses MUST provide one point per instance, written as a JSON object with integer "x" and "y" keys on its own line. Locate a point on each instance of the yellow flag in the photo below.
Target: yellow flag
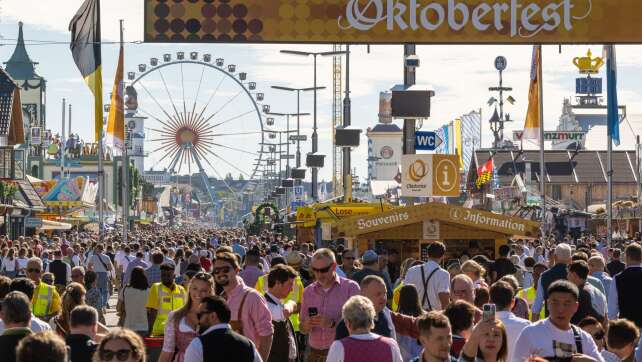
{"x": 116, "y": 121}
{"x": 533, "y": 117}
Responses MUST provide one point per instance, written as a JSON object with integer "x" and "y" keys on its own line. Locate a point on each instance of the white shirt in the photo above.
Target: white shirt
{"x": 37, "y": 325}
{"x": 276, "y": 310}
{"x": 336, "y": 353}
{"x": 514, "y": 326}
{"x": 439, "y": 283}
{"x": 194, "y": 352}
{"x": 539, "y": 339}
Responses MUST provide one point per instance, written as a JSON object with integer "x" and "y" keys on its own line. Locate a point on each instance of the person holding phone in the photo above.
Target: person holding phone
{"x": 488, "y": 341}
{"x": 322, "y": 302}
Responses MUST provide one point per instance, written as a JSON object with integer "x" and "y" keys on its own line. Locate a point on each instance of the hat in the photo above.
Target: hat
{"x": 294, "y": 258}
{"x": 277, "y": 260}
{"x": 370, "y": 257}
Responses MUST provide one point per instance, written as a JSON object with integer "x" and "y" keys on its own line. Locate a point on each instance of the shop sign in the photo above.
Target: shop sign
{"x": 341, "y": 211}
{"x": 477, "y": 218}
{"x": 431, "y": 230}
{"x": 555, "y": 136}
{"x": 394, "y": 21}
{"x": 430, "y": 175}
{"x": 379, "y": 221}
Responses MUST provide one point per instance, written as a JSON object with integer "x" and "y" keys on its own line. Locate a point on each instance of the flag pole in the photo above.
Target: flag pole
{"x": 125, "y": 197}
{"x": 542, "y": 171}
{"x": 101, "y": 185}
{"x": 63, "y": 143}
{"x": 609, "y": 150}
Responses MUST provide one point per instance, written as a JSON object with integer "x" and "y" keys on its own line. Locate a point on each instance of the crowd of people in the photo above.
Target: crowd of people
{"x": 222, "y": 295}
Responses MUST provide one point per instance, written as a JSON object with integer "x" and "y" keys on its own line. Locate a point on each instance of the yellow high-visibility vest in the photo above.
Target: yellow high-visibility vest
{"x": 395, "y": 297}
{"x": 168, "y": 301}
{"x": 529, "y": 295}
{"x": 42, "y": 302}
{"x": 296, "y": 295}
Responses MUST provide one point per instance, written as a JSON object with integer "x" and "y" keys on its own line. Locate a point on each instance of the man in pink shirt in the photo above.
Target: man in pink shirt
{"x": 322, "y": 303}
{"x": 251, "y": 316}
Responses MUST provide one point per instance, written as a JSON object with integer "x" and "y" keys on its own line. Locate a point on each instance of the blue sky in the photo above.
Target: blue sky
{"x": 459, "y": 74}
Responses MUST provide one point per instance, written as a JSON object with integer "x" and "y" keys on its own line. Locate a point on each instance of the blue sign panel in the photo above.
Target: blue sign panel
{"x": 426, "y": 141}
{"x": 588, "y": 86}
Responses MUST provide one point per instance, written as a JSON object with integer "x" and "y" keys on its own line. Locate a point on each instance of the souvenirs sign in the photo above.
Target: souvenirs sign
{"x": 393, "y": 21}
{"x": 429, "y": 175}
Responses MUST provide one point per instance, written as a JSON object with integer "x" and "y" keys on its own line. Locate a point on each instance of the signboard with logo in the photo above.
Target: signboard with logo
{"x": 430, "y": 175}
{"x": 430, "y": 230}
{"x": 394, "y": 21}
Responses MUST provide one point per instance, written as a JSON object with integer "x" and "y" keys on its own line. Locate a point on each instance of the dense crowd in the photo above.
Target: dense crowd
{"x": 223, "y": 295}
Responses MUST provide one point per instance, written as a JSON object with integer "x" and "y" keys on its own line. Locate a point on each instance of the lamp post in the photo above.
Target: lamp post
{"x": 315, "y": 136}
{"x": 298, "y": 131}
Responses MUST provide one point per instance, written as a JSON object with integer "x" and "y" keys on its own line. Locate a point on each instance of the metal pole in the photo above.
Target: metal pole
{"x": 70, "y": 118}
{"x": 638, "y": 170}
{"x": 125, "y": 162}
{"x": 347, "y": 180}
{"x": 409, "y": 79}
{"x": 101, "y": 187}
{"x": 63, "y": 143}
{"x": 542, "y": 164}
{"x": 298, "y": 129}
{"x": 315, "y": 139}
{"x": 609, "y": 193}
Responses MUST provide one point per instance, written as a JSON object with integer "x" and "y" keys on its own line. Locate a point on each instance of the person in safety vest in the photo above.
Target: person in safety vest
{"x": 295, "y": 295}
{"x": 529, "y": 294}
{"x": 46, "y": 301}
{"x": 164, "y": 297}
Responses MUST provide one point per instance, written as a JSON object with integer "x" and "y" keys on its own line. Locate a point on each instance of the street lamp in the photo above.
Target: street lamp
{"x": 315, "y": 136}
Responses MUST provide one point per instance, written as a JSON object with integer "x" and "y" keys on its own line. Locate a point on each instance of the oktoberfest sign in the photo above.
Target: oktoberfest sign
{"x": 393, "y": 21}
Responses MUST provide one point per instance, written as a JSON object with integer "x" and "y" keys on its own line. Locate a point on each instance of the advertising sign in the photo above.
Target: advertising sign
{"x": 430, "y": 230}
{"x": 430, "y": 175}
{"x": 394, "y": 21}
{"x": 555, "y": 136}
{"x": 427, "y": 141}
{"x": 36, "y": 136}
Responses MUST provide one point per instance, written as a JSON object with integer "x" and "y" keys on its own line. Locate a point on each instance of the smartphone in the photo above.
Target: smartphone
{"x": 313, "y": 312}
{"x": 489, "y": 312}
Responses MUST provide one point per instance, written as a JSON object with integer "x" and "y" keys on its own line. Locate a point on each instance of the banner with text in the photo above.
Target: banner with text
{"x": 394, "y": 21}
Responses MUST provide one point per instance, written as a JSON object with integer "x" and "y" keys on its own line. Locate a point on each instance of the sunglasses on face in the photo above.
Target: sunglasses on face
{"x": 322, "y": 270}
{"x": 33, "y": 270}
{"x": 223, "y": 269}
{"x": 107, "y": 355}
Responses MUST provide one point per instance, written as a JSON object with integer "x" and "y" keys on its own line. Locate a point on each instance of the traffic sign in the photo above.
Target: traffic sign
{"x": 298, "y": 191}
{"x": 301, "y": 138}
{"x": 427, "y": 141}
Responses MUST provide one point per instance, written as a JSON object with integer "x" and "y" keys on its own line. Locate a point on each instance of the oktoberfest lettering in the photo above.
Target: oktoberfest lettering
{"x": 525, "y": 18}
{"x": 383, "y": 220}
{"x": 479, "y": 219}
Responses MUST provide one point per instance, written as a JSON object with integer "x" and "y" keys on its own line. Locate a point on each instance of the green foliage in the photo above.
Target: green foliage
{"x": 7, "y": 192}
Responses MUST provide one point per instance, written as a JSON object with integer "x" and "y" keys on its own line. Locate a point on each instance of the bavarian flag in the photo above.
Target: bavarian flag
{"x": 116, "y": 121}
{"x": 85, "y": 48}
{"x": 484, "y": 173}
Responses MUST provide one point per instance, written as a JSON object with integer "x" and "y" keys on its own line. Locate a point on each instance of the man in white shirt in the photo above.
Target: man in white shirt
{"x": 432, "y": 281}
{"x": 217, "y": 337}
{"x": 555, "y": 337}
{"x": 503, "y": 296}
{"x": 280, "y": 282}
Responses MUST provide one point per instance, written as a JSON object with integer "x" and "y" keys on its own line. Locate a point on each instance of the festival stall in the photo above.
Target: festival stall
{"x": 69, "y": 202}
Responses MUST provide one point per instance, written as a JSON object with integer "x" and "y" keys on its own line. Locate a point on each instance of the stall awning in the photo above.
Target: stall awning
{"x": 54, "y": 225}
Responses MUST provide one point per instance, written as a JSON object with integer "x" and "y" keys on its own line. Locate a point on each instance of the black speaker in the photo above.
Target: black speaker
{"x": 314, "y": 160}
{"x": 287, "y": 183}
{"x": 297, "y": 173}
{"x": 280, "y": 190}
{"x": 411, "y": 103}
{"x": 347, "y": 137}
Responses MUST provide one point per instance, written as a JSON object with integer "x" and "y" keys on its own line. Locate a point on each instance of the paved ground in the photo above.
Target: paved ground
{"x": 111, "y": 318}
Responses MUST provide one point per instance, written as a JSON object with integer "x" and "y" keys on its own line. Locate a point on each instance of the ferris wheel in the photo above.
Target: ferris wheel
{"x": 202, "y": 115}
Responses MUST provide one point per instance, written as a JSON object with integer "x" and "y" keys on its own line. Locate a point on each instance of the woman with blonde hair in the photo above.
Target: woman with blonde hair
{"x": 475, "y": 271}
{"x": 73, "y": 296}
{"x": 123, "y": 345}
{"x": 182, "y": 324}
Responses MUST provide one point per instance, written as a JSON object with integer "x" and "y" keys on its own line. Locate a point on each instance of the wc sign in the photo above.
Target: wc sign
{"x": 427, "y": 141}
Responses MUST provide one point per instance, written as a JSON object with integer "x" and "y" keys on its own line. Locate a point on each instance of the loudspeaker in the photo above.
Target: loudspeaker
{"x": 411, "y": 103}
{"x": 314, "y": 160}
{"x": 287, "y": 183}
{"x": 280, "y": 190}
{"x": 347, "y": 137}
{"x": 297, "y": 173}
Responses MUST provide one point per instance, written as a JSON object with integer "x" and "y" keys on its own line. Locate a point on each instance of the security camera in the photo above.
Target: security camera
{"x": 412, "y": 61}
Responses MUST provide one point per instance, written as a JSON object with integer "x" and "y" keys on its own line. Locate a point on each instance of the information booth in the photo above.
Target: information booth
{"x": 411, "y": 229}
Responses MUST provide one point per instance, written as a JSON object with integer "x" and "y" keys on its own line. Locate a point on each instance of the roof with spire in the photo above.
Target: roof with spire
{"x": 20, "y": 66}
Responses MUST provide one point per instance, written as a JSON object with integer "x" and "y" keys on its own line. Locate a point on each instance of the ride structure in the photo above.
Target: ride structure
{"x": 195, "y": 123}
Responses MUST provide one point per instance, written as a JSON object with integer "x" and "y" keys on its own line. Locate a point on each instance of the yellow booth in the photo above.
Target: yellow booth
{"x": 411, "y": 229}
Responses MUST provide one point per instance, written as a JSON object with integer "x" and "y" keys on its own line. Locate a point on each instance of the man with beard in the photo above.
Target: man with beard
{"x": 251, "y": 316}
{"x": 164, "y": 297}
{"x": 217, "y": 337}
